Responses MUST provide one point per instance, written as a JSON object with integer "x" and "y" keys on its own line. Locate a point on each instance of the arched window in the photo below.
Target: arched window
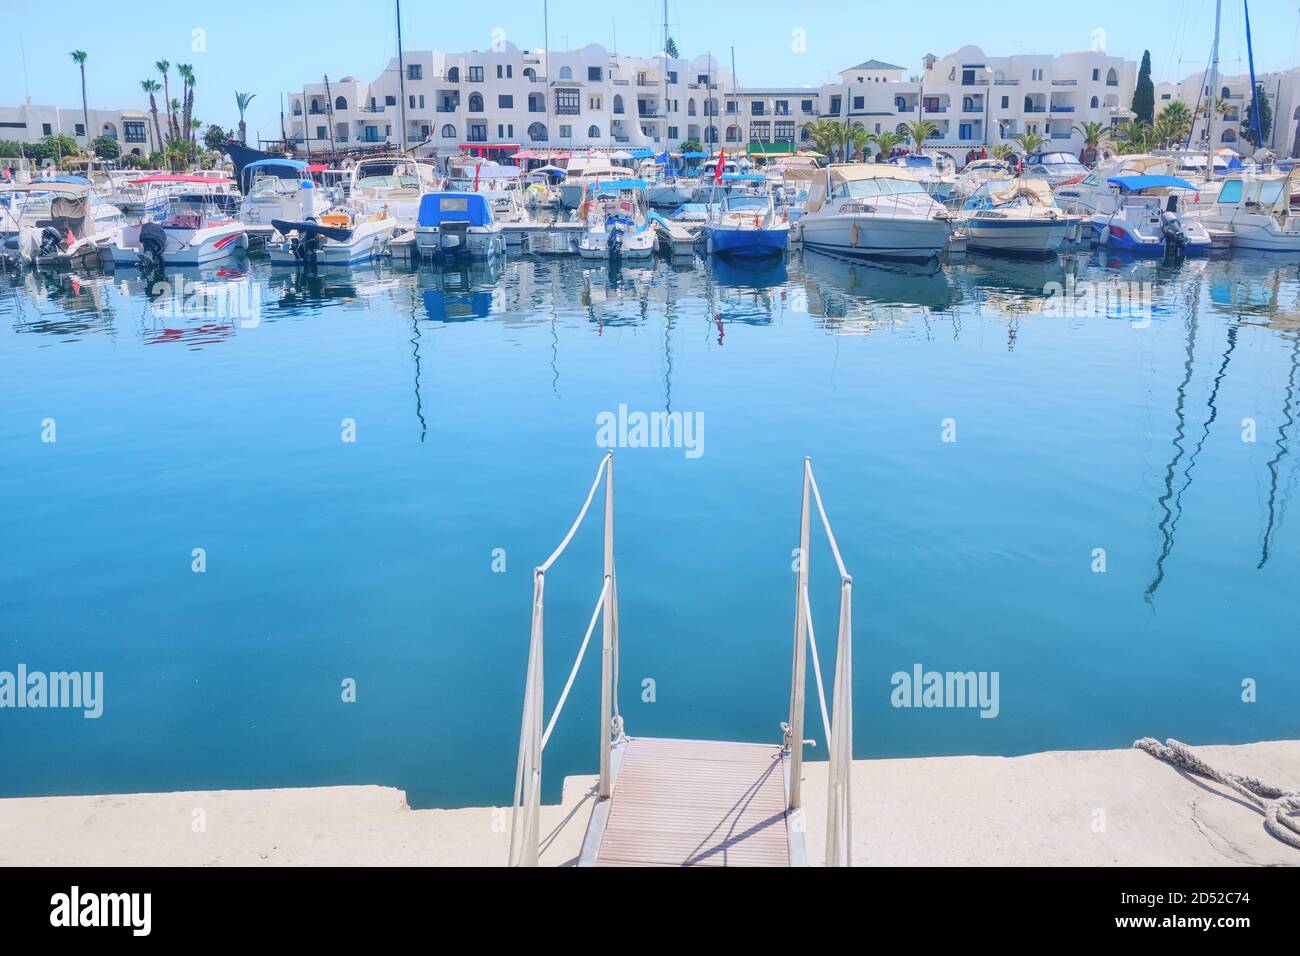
{"x": 476, "y": 103}
{"x": 900, "y": 105}
{"x": 566, "y": 73}
{"x": 618, "y": 103}
{"x": 1225, "y": 93}
{"x": 690, "y": 106}
{"x": 340, "y": 103}
{"x": 297, "y": 107}
{"x": 967, "y": 104}
{"x": 1112, "y": 78}
{"x": 530, "y": 73}
{"x": 1094, "y": 102}
{"x": 315, "y": 105}
{"x": 711, "y": 134}
{"x": 1229, "y": 136}
{"x": 453, "y": 75}
{"x": 593, "y": 132}
{"x": 449, "y": 132}
{"x": 1029, "y": 103}
{"x": 733, "y": 134}
{"x": 901, "y": 129}
{"x": 537, "y": 132}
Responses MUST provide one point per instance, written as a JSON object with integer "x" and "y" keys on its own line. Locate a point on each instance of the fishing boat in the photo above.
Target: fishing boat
{"x": 279, "y": 189}
{"x": 340, "y": 237}
{"x": 1015, "y": 217}
{"x": 1146, "y": 219}
{"x": 873, "y": 210}
{"x": 615, "y": 223}
{"x": 457, "y": 224}
{"x": 61, "y": 237}
{"x": 746, "y": 225}
{"x": 192, "y": 232}
{"x": 1256, "y": 211}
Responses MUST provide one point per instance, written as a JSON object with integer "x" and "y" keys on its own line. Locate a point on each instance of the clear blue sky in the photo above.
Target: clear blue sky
{"x": 266, "y": 47}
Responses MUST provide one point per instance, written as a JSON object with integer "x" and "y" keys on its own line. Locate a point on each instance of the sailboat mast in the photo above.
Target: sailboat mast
{"x": 1212, "y": 101}
{"x": 665, "y": 141}
{"x": 401, "y": 82}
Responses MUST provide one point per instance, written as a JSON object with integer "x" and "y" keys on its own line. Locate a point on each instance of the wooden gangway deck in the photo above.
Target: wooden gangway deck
{"x": 694, "y": 803}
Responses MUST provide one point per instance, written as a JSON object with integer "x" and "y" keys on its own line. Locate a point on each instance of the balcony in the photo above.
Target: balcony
{"x": 1058, "y": 108}
{"x": 1035, "y": 109}
{"x": 1061, "y": 135}
{"x": 1065, "y": 82}
{"x": 1006, "y": 82}
{"x": 930, "y": 110}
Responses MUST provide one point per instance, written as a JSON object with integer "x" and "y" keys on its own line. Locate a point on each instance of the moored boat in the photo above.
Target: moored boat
{"x": 873, "y": 210}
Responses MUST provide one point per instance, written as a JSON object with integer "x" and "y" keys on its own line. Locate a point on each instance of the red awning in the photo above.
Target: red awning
{"x": 317, "y": 168}
{"x": 525, "y": 154}
{"x": 169, "y": 178}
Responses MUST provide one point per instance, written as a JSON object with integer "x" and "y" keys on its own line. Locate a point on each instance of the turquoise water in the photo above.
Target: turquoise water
{"x": 475, "y": 395}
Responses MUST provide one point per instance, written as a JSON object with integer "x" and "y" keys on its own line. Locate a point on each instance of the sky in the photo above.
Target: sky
{"x": 269, "y": 47}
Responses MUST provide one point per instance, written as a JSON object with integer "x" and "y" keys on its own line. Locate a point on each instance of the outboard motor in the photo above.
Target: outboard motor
{"x": 306, "y": 247}
{"x": 153, "y": 241}
{"x": 614, "y": 242}
{"x": 1175, "y": 235}
{"x": 49, "y": 243}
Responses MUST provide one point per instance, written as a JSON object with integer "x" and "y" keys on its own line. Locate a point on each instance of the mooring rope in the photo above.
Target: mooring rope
{"x": 1275, "y": 803}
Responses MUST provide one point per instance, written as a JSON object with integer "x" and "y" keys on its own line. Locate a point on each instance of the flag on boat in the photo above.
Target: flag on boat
{"x": 722, "y": 164}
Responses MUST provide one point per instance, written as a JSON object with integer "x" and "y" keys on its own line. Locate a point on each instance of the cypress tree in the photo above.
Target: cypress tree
{"x": 1265, "y": 119}
{"x": 1144, "y": 94}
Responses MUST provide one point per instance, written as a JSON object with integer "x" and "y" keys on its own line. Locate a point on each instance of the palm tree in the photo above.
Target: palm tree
{"x": 163, "y": 67}
{"x": 1174, "y": 122}
{"x": 79, "y": 58}
{"x": 886, "y": 142}
{"x": 1029, "y": 142}
{"x": 152, "y": 87}
{"x": 825, "y": 134}
{"x": 1002, "y": 151}
{"x": 861, "y": 140}
{"x": 1136, "y": 138}
{"x": 1094, "y": 134}
{"x": 187, "y": 97}
{"x": 918, "y": 131}
{"x": 241, "y": 102}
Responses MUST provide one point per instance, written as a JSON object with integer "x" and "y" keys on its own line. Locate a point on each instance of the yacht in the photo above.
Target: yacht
{"x": 1057, "y": 168}
{"x": 457, "y": 224}
{"x": 1094, "y": 193}
{"x": 279, "y": 189}
{"x": 340, "y": 237}
{"x": 873, "y": 210}
{"x": 615, "y": 224}
{"x": 937, "y": 177}
{"x": 977, "y": 173}
{"x": 747, "y": 225}
{"x": 193, "y": 232}
{"x": 1256, "y": 211}
{"x": 1015, "y": 217}
{"x": 395, "y": 185}
{"x": 1146, "y": 218}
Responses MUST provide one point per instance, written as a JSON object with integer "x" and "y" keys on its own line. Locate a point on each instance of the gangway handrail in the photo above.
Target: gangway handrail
{"x": 839, "y": 724}
{"x": 525, "y": 827}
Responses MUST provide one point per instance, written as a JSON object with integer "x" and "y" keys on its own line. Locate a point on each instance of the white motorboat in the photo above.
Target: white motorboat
{"x": 1057, "y": 168}
{"x": 938, "y": 178}
{"x": 1094, "y": 193}
{"x": 615, "y": 222}
{"x": 28, "y": 203}
{"x": 457, "y": 224}
{"x": 977, "y": 173}
{"x": 1146, "y": 218}
{"x": 747, "y": 226}
{"x": 340, "y": 237}
{"x": 279, "y": 189}
{"x": 1015, "y": 217}
{"x": 1256, "y": 211}
{"x": 873, "y": 210}
{"x": 191, "y": 233}
{"x": 61, "y": 235}
{"x": 395, "y": 185}
{"x": 585, "y": 171}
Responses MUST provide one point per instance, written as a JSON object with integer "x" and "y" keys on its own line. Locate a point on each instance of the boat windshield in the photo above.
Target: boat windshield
{"x": 1270, "y": 191}
{"x": 737, "y": 203}
{"x": 873, "y": 188}
{"x": 388, "y": 182}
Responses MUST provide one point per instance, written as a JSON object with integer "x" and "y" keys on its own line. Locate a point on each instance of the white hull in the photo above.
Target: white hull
{"x": 1032, "y": 238}
{"x": 477, "y": 242}
{"x": 193, "y": 249}
{"x": 885, "y": 237}
{"x": 1251, "y": 236}
{"x": 368, "y": 241}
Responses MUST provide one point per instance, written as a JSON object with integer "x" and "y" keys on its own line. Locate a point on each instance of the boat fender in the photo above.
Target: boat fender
{"x": 1104, "y": 238}
{"x": 853, "y": 234}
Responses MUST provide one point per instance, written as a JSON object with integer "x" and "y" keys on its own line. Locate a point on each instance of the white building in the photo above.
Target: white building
{"x": 591, "y": 97}
{"x": 1282, "y": 90}
{"x": 133, "y": 129}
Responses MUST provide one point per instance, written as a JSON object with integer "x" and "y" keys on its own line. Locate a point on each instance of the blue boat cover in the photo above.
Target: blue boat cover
{"x": 284, "y": 227}
{"x": 695, "y": 155}
{"x": 470, "y": 208}
{"x": 743, "y": 177}
{"x": 1133, "y": 184}
{"x": 642, "y": 152}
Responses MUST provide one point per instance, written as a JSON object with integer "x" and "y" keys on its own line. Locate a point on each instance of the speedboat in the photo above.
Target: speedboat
{"x": 1015, "y": 217}
{"x": 148, "y": 195}
{"x": 457, "y": 224}
{"x": 747, "y": 225}
{"x": 61, "y": 236}
{"x": 977, "y": 173}
{"x": 340, "y": 237}
{"x": 584, "y": 172}
{"x": 873, "y": 210}
{"x": 279, "y": 189}
{"x": 1146, "y": 218}
{"x": 615, "y": 225}
{"x": 1094, "y": 193}
{"x": 1256, "y": 211}
{"x": 937, "y": 178}
{"x": 28, "y": 204}
{"x": 1057, "y": 168}
{"x": 191, "y": 233}
{"x": 395, "y": 185}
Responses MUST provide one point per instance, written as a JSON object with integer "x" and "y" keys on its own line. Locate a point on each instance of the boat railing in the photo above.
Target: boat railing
{"x": 837, "y": 723}
{"x": 525, "y": 829}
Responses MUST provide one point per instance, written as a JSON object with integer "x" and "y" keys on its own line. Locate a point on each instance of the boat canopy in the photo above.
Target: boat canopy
{"x": 842, "y": 174}
{"x": 1137, "y": 184}
{"x": 743, "y": 178}
{"x": 47, "y": 186}
{"x": 171, "y": 178}
{"x": 279, "y": 167}
{"x": 297, "y": 165}
{"x": 1000, "y": 192}
{"x": 470, "y": 208}
{"x": 613, "y": 187}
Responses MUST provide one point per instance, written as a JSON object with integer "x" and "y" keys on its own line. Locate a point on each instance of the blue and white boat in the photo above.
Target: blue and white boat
{"x": 457, "y": 224}
{"x": 1015, "y": 217}
{"x": 746, "y": 225}
{"x": 1147, "y": 219}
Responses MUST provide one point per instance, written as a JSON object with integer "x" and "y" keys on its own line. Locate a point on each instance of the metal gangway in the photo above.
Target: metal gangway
{"x": 663, "y": 802}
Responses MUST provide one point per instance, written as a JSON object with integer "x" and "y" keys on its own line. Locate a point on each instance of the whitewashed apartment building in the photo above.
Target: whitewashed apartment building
{"x": 592, "y": 97}
{"x": 30, "y": 123}
{"x": 1281, "y": 88}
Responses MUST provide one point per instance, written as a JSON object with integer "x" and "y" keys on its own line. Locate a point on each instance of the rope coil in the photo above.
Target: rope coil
{"x": 1271, "y": 801}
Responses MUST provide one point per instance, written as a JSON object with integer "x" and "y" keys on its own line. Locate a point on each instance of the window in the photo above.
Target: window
{"x": 835, "y": 105}
{"x": 1006, "y": 102}
{"x": 537, "y": 132}
{"x": 321, "y": 133}
{"x": 967, "y": 77}
{"x": 390, "y": 100}
{"x": 81, "y": 129}
{"x": 133, "y": 131}
{"x": 530, "y": 74}
{"x": 567, "y": 102}
{"x": 806, "y": 106}
{"x": 672, "y": 132}
{"x": 1094, "y": 102}
{"x": 1231, "y": 192}
{"x": 510, "y": 72}
{"x": 476, "y": 103}
{"x": 1166, "y": 96}
{"x": 410, "y": 101}
{"x": 448, "y": 131}
{"x": 415, "y": 72}
{"x": 593, "y": 132}
{"x": 448, "y": 103}
{"x": 782, "y": 107}
{"x": 690, "y": 107}
{"x": 593, "y": 102}
{"x": 453, "y": 75}
{"x": 731, "y": 106}
{"x": 478, "y": 132}
{"x": 595, "y": 74}
{"x": 501, "y": 72}
{"x": 1112, "y": 78}
{"x": 859, "y": 102}
{"x": 566, "y": 73}
{"x": 618, "y": 104}
{"x": 566, "y": 132}
{"x": 505, "y": 102}
{"x": 785, "y": 131}
{"x": 756, "y": 108}
{"x": 536, "y": 103}
{"x": 340, "y": 103}
{"x": 760, "y": 131}
{"x": 476, "y": 74}
{"x": 672, "y": 76}
{"x": 421, "y": 101}
{"x": 733, "y": 134}
{"x": 1096, "y": 75}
